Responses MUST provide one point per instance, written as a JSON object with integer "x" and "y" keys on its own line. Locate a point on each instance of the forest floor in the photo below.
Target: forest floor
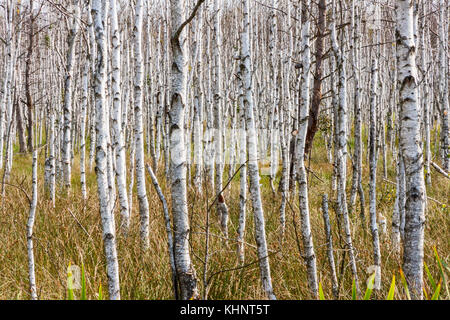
{"x": 71, "y": 234}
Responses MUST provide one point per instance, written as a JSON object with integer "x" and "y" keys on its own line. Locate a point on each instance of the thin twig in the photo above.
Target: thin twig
{"x": 228, "y": 183}
{"x": 241, "y": 267}
{"x": 79, "y": 223}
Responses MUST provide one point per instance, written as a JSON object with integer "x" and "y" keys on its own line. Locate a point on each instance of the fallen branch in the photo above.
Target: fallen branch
{"x": 440, "y": 170}
{"x": 314, "y": 174}
{"x": 168, "y": 229}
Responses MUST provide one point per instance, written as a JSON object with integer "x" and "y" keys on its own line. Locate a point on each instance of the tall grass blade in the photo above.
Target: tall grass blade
{"x": 70, "y": 294}
{"x": 83, "y": 284}
{"x": 321, "y": 295}
{"x": 437, "y": 292}
{"x": 425, "y": 292}
{"x": 392, "y": 289}
{"x": 430, "y": 277}
{"x": 441, "y": 268}
{"x": 405, "y": 285}
{"x": 369, "y": 287}
{"x": 354, "y": 290}
{"x": 100, "y": 292}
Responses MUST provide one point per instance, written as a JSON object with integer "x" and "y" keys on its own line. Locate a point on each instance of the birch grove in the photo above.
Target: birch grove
{"x": 225, "y": 149}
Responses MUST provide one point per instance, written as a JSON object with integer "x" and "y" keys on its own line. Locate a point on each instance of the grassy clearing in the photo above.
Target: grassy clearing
{"x": 71, "y": 234}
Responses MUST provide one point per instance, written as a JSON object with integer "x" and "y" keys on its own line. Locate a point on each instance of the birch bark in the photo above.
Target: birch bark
{"x": 218, "y": 101}
{"x": 84, "y": 106}
{"x": 243, "y": 175}
{"x": 410, "y": 148}
{"x": 302, "y": 180}
{"x": 138, "y": 125}
{"x": 67, "y": 146}
{"x": 30, "y": 226}
{"x": 102, "y": 136}
{"x": 373, "y": 174}
{"x": 341, "y": 144}
{"x": 168, "y": 229}
{"x": 443, "y": 85}
{"x": 185, "y": 269}
{"x": 253, "y": 172}
{"x": 326, "y": 220}
{"x": 7, "y": 77}
{"x": 118, "y": 141}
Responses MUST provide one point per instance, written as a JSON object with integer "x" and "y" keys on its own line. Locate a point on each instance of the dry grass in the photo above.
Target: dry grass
{"x": 71, "y": 233}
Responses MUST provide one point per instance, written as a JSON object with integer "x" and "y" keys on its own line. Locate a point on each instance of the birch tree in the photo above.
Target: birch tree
{"x": 410, "y": 148}
{"x": 373, "y": 174}
{"x": 118, "y": 141}
{"x": 341, "y": 143}
{"x": 253, "y": 171}
{"x": 102, "y": 136}
{"x": 30, "y": 226}
{"x": 67, "y": 146}
{"x": 138, "y": 125}
{"x": 185, "y": 270}
{"x": 443, "y": 85}
{"x": 308, "y": 245}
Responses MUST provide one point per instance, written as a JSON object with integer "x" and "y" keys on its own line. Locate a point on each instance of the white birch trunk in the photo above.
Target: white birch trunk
{"x": 426, "y": 101}
{"x": 218, "y": 100}
{"x": 168, "y": 229}
{"x": 92, "y": 115}
{"x": 8, "y": 85}
{"x": 252, "y": 142}
{"x": 102, "y": 136}
{"x": 242, "y": 178}
{"x": 326, "y": 220}
{"x": 52, "y": 158}
{"x": 443, "y": 85}
{"x": 410, "y": 148}
{"x": 302, "y": 180}
{"x": 341, "y": 145}
{"x": 67, "y": 145}
{"x": 7, "y": 77}
{"x": 373, "y": 174}
{"x": 30, "y": 226}
{"x": 185, "y": 269}
{"x": 138, "y": 125}
{"x": 118, "y": 141}
{"x": 357, "y": 187}
{"x": 84, "y": 106}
